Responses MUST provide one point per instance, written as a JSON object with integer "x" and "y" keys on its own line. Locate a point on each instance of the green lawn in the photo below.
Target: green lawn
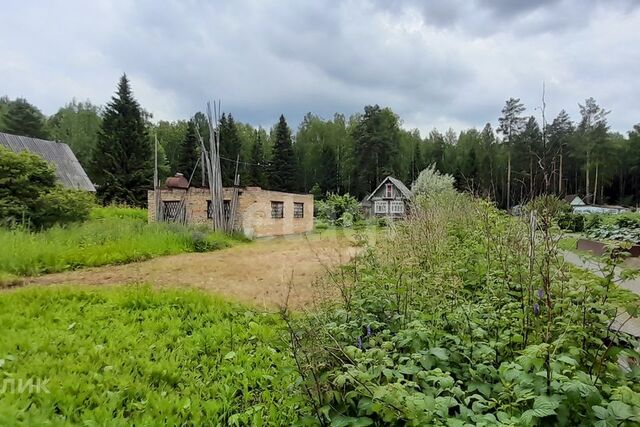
{"x": 131, "y": 355}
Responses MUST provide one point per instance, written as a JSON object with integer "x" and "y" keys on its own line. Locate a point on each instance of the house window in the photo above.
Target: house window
{"x": 298, "y": 210}
{"x": 277, "y": 209}
{"x": 226, "y": 209}
{"x": 389, "y": 192}
{"x": 170, "y": 210}
{"x": 397, "y": 206}
{"x": 381, "y": 207}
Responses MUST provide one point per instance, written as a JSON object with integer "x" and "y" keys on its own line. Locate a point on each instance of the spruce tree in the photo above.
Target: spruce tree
{"x": 257, "y": 163}
{"x": 229, "y": 148}
{"x": 123, "y": 159}
{"x": 22, "y": 118}
{"x": 189, "y": 155}
{"x": 283, "y": 168}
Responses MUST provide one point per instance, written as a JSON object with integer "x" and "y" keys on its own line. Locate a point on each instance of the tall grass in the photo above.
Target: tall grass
{"x": 113, "y": 236}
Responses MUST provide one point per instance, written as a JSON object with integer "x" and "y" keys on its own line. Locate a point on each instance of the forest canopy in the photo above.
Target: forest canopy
{"x": 511, "y": 161}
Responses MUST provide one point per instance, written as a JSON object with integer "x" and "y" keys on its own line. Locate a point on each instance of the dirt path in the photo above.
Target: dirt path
{"x": 256, "y": 273}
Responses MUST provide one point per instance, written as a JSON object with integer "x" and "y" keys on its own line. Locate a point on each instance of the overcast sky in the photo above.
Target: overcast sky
{"x": 452, "y": 63}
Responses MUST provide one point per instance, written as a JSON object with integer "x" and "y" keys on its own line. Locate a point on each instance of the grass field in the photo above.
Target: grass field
{"x": 125, "y": 356}
{"x": 113, "y": 235}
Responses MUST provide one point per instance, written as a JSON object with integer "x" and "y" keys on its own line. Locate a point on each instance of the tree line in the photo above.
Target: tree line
{"x": 522, "y": 157}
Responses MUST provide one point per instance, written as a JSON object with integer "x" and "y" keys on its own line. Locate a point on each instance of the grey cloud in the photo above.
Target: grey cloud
{"x": 435, "y": 63}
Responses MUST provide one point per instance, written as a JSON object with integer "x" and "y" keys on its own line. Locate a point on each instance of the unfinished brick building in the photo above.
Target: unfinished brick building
{"x": 260, "y": 213}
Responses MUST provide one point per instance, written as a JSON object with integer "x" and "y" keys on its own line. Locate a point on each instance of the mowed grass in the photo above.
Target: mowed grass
{"x": 113, "y": 235}
{"x": 135, "y": 356}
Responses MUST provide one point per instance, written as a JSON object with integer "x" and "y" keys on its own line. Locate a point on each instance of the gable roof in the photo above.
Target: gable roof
{"x": 570, "y": 198}
{"x": 69, "y": 171}
{"x": 397, "y": 183}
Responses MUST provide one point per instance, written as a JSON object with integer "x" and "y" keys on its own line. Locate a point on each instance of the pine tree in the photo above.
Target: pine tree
{"x": 123, "y": 159}
{"x": 511, "y": 124}
{"x": 376, "y": 136}
{"x": 283, "y": 168}
{"x": 189, "y": 155}
{"x": 328, "y": 170}
{"x": 22, "y": 118}
{"x": 257, "y": 163}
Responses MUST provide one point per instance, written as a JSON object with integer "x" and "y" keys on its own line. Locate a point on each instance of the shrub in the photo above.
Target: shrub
{"x": 453, "y": 321}
{"x": 342, "y": 210}
{"x": 30, "y": 196}
{"x": 431, "y": 181}
{"x": 571, "y": 221}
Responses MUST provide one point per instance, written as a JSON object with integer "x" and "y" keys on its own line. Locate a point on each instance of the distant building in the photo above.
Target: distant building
{"x": 69, "y": 171}
{"x": 579, "y": 206}
{"x": 259, "y": 213}
{"x": 390, "y": 199}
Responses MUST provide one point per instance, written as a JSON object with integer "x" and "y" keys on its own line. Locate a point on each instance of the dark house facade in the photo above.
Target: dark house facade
{"x": 390, "y": 199}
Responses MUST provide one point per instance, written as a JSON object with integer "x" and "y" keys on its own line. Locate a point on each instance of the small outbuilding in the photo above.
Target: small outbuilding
{"x": 259, "y": 212}
{"x": 390, "y": 199}
{"x": 579, "y": 206}
{"x": 69, "y": 171}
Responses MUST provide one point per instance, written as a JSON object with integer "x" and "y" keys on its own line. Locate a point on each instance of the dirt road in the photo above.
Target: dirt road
{"x": 257, "y": 273}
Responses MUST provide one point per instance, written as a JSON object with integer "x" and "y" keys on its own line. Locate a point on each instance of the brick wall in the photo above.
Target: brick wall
{"x": 253, "y": 215}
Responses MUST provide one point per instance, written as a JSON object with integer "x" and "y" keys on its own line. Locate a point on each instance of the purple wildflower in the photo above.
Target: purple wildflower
{"x": 540, "y": 293}
{"x": 360, "y": 343}
{"x": 536, "y": 309}
{"x": 368, "y": 330}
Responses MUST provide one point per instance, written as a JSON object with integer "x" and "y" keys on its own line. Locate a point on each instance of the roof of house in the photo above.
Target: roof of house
{"x": 397, "y": 183}
{"x": 69, "y": 171}
{"x": 571, "y": 197}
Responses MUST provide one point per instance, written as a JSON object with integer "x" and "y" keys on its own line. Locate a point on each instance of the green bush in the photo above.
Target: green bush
{"x": 133, "y": 356}
{"x": 341, "y": 210}
{"x": 447, "y": 323}
{"x": 29, "y": 195}
{"x": 571, "y": 221}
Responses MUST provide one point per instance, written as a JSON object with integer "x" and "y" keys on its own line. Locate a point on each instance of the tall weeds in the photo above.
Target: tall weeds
{"x": 465, "y": 315}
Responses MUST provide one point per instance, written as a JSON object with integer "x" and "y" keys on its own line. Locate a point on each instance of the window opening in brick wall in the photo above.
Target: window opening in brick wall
{"x": 298, "y": 210}
{"x": 277, "y": 209}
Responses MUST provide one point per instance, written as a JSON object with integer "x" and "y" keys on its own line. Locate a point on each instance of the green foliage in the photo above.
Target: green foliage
{"x": 189, "y": 155}
{"x": 171, "y": 136}
{"x": 118, "y": 211}
{"x": 22, "y": 118}
{"x": 29, "y": 194}
{"x": 77, "y": 125}
{"x": 62, "y": 206}
{"x": 256, "y": 173}
{"x": 112, "y": 236}
{"x": 230, "y": 146}
{"x": 342, "y": 210}
{"x": 623, "y": 227}
{"x": 450, "y": 322}
{"x": 133, "y": 356}
{"x": 375, "y": 133}
{"x": 123, "y": 159}
{"x": 282, "y": 171}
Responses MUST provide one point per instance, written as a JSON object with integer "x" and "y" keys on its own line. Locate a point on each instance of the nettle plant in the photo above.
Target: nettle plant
{"x": 465, "y": 316}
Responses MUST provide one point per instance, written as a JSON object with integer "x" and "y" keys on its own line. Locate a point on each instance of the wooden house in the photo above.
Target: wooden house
{"x": 390, "y": 199}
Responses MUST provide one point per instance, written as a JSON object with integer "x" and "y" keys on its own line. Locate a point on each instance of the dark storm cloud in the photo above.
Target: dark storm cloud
{"x": 449, "y": 63}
